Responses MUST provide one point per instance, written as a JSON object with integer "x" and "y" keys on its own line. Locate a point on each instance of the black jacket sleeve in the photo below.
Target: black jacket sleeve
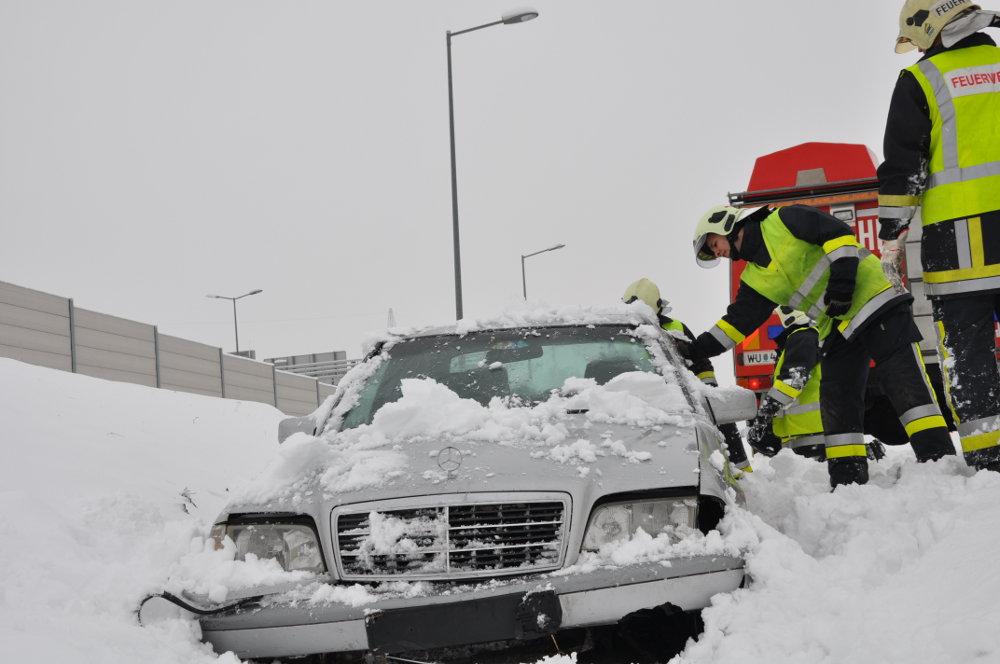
{"x": 801, "y": 350}
{"x": 906, "y": 145}
{"x": 813, "y": 225}
{"x": 818, "y": 227}
{"x": 843, "y": 273}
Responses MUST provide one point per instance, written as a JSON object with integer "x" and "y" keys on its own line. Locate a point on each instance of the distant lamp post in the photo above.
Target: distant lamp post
{"x": 524, "y": 281}
{"x": 507, "y": 19}
{"x": 236, "y": 328}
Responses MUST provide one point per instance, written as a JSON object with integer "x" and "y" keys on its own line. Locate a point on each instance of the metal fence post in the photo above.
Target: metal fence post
{"x": 222, "y": 374}
{"x": 156, "y": 354}
{"x": 72, "y": 336}
{"x": 274, "y": 384}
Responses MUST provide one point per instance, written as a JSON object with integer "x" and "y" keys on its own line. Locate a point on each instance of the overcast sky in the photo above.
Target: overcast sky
{"x": 154, "y": 152}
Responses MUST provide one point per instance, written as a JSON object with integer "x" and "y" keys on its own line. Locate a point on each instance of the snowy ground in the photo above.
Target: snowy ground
{"x": 105, "y": 486}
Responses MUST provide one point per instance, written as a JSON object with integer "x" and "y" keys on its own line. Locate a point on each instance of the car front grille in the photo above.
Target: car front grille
{"x": 449, "y": 541}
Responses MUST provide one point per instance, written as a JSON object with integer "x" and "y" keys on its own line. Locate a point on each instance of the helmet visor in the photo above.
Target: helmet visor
{"x": 904, "y": 45}
{"x": 703, "y": 255}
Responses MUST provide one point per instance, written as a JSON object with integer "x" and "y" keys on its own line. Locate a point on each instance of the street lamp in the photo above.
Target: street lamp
{"x": 236, "y": 328}
{"x": 507, "y": 19}
{"x": 524, "y": 282}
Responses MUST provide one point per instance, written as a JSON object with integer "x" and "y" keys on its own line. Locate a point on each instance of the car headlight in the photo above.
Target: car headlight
{"x": 619, "y": 521}
{"x": 294, "y": 546}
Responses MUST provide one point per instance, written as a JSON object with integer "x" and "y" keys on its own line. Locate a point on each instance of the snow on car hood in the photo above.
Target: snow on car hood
{"x": 636, "y": 431}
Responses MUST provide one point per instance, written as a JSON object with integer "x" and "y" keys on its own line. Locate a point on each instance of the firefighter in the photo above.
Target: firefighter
{"x": 789, "y": 412}
{"x": 809, "y": 260}
{"x": 789, "y": 415}
{"x": 648, "y": 292}
{"x": 942, "y": 153}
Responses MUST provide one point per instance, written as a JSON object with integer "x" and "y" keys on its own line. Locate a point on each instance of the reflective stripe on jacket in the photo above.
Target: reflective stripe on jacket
{"x": 799, "y": 272}
{"x": 961, "y": 241}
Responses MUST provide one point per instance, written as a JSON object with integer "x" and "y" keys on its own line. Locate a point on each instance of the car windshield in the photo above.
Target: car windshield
{"x": 524, "y": 363}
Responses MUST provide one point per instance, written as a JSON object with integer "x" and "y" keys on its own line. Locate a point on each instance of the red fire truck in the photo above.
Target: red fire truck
{"x": 841, "y": 179}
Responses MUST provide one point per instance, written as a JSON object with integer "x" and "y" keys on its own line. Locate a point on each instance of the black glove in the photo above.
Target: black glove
{"x": 768, "y": 408}
{"x": 840, "y": 289}
{"x": 761, "y": 438}
{"x": 837, "y": 304}
{"x": 683, "y": 347}
{"x": 704, "y": 347}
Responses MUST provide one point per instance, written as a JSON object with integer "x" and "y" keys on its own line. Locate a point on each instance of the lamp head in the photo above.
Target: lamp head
{"x": 519, "y": 16}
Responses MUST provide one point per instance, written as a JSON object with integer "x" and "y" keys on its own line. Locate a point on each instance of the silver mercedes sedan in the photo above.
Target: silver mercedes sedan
{"x": 493, "y": 483}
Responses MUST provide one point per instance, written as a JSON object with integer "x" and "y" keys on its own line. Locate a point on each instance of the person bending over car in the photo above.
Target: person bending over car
{"x": 804, "y": 258}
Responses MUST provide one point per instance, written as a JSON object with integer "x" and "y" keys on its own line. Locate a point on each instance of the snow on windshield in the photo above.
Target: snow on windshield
{"x": 522, "y": 388}
{"x": 524, "y": 364}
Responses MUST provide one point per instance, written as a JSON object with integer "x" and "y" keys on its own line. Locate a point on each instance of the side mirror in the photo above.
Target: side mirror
{"x": 293, "y": 425}
{"x": 730, "y": 404}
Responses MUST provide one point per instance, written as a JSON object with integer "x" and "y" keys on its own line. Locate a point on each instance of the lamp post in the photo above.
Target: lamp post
{"x": 236, "y": 328}
{"x": 507, "y": 19}
{"x": 524, "y": 281}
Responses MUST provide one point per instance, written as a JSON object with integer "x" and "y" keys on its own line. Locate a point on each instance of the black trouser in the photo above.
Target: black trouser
{"x": 890, "y": 339}
{"x": 968, "y": 351}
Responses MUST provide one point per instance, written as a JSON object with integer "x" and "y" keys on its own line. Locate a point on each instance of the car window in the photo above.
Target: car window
{"x": 528, "y": 364}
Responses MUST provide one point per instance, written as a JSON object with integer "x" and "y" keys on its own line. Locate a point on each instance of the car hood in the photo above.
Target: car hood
{"x": 580, "y": 457}
{"x": 616, "y": 457}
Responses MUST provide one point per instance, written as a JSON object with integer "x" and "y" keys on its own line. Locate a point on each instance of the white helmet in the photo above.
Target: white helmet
{"x": 646, "y": 291}
{"x": 921, "y": 21}
{"x": 720, "y": 220}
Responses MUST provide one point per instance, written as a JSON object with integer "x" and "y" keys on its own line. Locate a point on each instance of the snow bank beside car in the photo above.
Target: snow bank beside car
{"x": 103, "y": 486}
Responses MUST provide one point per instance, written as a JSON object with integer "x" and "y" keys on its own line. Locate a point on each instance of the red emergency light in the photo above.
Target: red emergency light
{"x": 755, "y": 383}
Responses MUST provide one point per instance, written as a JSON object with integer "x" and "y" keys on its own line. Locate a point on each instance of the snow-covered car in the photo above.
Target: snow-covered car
{"x": 489, "y": 482}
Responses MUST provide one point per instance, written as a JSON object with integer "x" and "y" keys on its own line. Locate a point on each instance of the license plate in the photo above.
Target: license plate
{"x": 484, "y": 620}
{"x": 757, "y": 358}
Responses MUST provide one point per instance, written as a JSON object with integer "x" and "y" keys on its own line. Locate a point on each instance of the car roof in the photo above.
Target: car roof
{"x": 619, "y": 317}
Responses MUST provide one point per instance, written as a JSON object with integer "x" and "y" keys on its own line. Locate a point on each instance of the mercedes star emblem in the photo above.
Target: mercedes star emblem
{"x": 449, "y": 459}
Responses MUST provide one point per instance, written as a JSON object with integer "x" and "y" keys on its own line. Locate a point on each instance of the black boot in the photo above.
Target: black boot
{"x": 932, "y": 444}
{"x": 848, "y": 470}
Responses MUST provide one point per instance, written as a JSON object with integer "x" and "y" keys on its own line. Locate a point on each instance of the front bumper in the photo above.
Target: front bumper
{"x": 519, "y": 609}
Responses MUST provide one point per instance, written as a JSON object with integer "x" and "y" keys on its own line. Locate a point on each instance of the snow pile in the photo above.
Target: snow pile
{"x": 103, "y": 487}
{"x": 900, "y": 570}
{"x": 92, "y": 511}
{"x": 211, "y": 574}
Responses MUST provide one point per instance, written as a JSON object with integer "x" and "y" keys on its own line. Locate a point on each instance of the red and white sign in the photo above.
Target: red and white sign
{"x": 973, "y": 80}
